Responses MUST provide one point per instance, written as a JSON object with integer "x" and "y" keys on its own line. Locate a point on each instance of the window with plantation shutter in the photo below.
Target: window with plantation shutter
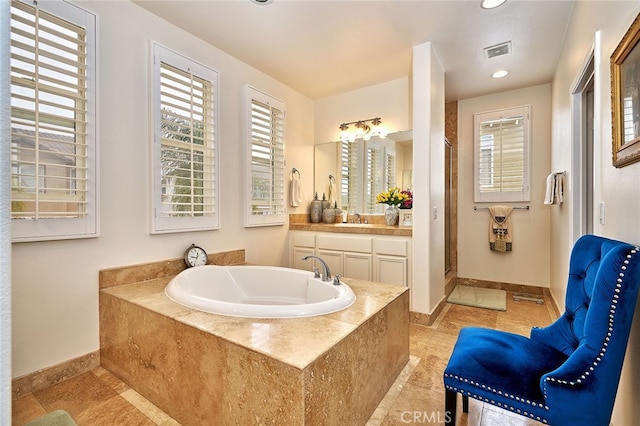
{"x": 185, "y": 183}
{"x": 390, "y": 169}
{"x": 373, "y": 182}
{"x": 502, "y": 155}
{"x": 349, "y": 175}
{"x": 53, "y": 121}
{"x": 265, "y": 160}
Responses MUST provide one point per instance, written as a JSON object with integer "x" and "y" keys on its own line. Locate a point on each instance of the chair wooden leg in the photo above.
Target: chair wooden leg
{"x": 465, "y": 403}
{"x": 450, "y": 402}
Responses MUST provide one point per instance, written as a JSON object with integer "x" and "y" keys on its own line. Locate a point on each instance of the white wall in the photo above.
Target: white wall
{"x": 528, "y": 263}
{"x": 55, "y": 284}
{"x": 428, "y": 179}
{"x": 5, "y": 226}
{"x": 619, "y": 189}
{"x": 388, "y": 100}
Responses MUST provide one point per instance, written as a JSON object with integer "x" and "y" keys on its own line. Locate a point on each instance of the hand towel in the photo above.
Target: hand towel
{"x": 294, "y": 190}
{"x": 555, "y": 189}
{"x": 500, "y": 229}
{"x": 559, "y": 188}
{"x": 332, "y": 191}
{"x": 551, "y": 187}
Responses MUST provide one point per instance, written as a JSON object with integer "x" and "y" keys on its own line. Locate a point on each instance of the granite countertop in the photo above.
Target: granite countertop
{"x": 376, "y": 226}
{"x": 351, "y": 228}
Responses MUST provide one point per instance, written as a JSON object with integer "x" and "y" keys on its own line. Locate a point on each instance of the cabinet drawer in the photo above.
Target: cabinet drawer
{"x": 304, "y": 239}
{"x": 362, "y": 245}
{"x": 393, "y": 247}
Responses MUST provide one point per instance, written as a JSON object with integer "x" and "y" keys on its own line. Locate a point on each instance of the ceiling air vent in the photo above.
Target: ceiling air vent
{"x": 497, "y": 50}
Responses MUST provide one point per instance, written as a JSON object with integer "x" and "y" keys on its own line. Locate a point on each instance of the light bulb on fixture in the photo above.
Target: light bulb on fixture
{"x": 362, "y": 130}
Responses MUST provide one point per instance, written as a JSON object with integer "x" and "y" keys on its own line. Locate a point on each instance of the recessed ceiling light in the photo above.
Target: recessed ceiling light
{"x": 500, "y": 74}
{"x": 490, "y": 4}
{"x": 269, "y": 1}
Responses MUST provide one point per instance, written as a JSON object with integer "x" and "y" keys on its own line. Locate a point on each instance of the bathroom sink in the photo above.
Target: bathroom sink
{"x": 355, "y": 225}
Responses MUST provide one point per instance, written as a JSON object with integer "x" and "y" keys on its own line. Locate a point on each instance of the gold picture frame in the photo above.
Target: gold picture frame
{"x": 625, "y": 97}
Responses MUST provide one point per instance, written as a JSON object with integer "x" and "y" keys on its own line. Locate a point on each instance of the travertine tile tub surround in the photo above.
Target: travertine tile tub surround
{"x": 209, "y": 369}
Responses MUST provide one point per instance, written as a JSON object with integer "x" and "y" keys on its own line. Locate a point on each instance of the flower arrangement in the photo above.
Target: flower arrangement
{"x": 408, "y": 202}
{"x": 393, "y": 197}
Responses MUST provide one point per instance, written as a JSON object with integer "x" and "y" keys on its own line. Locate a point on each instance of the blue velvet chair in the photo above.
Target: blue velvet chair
{"x": 566, "y": 373}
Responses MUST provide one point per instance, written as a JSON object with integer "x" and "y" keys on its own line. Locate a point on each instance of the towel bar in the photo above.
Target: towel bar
{"x": 515, "y": 208}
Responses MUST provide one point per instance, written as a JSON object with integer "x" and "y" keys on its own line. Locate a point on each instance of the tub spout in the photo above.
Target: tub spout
{"x": 326, "y": 276}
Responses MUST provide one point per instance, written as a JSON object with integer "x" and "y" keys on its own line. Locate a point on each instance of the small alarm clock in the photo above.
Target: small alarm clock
{"x": 195, "y": 256}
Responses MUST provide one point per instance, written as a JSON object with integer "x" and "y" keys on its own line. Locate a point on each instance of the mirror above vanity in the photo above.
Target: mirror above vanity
{"x": 353, "y": 173}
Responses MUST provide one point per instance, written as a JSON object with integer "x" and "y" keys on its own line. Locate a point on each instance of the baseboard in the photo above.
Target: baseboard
{"x": 515, "y": 288}
{"x": 50, "y": 376}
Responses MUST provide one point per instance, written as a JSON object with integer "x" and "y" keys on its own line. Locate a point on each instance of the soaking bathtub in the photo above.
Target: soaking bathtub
{"x": 258, "y": 292}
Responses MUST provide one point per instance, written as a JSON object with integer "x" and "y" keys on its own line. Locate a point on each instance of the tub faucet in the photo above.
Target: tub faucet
{"x": 326, "y": 276}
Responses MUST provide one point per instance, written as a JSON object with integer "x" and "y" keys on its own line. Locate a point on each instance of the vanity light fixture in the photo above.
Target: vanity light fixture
{"x": 491, "y": 4}
{"x": 362, "y": 130}
{"x": 499, "y": 74}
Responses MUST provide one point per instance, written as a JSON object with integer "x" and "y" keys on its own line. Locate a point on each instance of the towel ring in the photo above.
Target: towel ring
{"x": 294, "y": 171}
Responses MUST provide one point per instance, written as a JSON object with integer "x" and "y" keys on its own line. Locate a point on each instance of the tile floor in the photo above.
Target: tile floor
{"x": 99, "y": 398}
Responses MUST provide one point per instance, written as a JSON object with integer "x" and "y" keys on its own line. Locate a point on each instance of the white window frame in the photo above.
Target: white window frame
{"x": 522, "y": 195}
{"x": 87, "y": 224}
{"x": 276, "y": 214}
{"x": 167, "y": 223}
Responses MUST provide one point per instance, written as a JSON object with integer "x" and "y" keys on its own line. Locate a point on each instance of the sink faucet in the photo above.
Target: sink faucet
{"x": 357, "y": 219}
{"x": 326, "y": 276}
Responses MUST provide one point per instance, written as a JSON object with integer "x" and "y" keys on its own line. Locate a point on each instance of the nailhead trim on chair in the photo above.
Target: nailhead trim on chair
{"x": 603, "y": 349}
{"x": 493, "y": 402}
{"x": 583, "y": 376}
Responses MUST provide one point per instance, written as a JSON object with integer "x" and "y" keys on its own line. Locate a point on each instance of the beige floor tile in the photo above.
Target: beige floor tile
{"x": 111, "y": 380}
{"x": 80, "y": 393}
{"x": 25, "y": 409}
{"x": 494, "y": 416}
{"x": 150, "y": 410}
{"x": 115, "y": 411}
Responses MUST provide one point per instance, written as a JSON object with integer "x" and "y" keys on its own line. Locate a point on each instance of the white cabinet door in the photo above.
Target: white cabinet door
{"x": 296, "y": 258}
{"x": 358, "y": 266}
{"x": 391, "y": 270}
{"x": 334, "y": 260}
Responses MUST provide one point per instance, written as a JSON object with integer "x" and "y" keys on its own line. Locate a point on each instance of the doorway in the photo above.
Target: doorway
{"x": 583, "y": 163}
{"x": 448, "y": 193}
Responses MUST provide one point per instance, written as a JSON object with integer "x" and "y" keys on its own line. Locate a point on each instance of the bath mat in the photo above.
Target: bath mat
{"x": 487, "y": 298}
{"x": 54, "y": 418}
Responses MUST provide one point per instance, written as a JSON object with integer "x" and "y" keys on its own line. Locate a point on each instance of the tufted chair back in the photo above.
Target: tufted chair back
{"x": 566, "y": 373}
{"x": 593, "y": 332}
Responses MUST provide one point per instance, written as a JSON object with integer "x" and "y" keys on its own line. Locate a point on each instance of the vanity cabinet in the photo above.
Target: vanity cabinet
{"x": 392, "y": 260}
{"x": 381, "y": 258}
{"x": 302, "y": 244}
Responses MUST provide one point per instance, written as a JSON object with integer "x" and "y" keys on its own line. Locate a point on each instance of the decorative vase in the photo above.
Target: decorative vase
{"x": 315, "y": 210}
{"x": 329, "y": 215}
{"x": 391, "y": 215}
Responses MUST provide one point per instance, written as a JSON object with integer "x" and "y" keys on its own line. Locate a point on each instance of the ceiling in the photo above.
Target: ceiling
{"x": 322, "y": 48}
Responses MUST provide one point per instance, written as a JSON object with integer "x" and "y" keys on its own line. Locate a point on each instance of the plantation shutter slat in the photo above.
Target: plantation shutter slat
{"x": 49, "y": 171}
